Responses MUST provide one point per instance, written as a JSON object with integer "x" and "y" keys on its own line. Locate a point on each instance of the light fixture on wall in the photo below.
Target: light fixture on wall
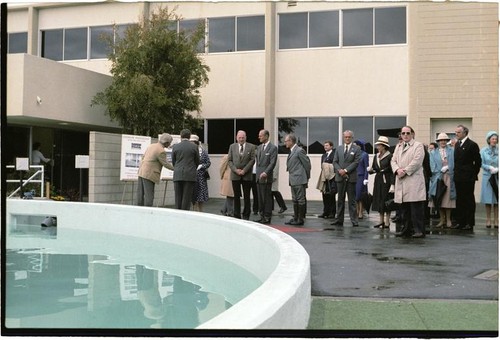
{"x": 38, "y": 100}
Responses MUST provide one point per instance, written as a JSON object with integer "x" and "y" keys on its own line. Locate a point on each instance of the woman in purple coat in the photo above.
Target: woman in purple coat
{"x": 362, "y": 182}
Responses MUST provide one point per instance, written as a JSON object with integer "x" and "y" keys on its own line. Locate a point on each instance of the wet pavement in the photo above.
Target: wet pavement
{"x": 367, "y": 264}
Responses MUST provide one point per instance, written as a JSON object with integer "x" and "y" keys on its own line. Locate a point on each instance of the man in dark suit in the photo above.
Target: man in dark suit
{"x": 467, "y": 166}
{"x": 298, "y": 166}
{"x": 241, "y": 158}
{"x": 345, "y": 165}
{"x": 185, "y": 158}
{"x": 329, "y": 202}
{"x": 265, "y": 160}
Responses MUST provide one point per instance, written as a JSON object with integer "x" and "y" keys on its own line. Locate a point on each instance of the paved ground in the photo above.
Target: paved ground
{"x": 368, "y": 280}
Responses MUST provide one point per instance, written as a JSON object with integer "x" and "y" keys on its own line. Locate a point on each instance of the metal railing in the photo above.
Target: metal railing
{"x": 31, "y": 179}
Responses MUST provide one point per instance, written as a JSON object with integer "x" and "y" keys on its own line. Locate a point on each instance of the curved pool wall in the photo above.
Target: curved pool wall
{"x": 282, "y": 301}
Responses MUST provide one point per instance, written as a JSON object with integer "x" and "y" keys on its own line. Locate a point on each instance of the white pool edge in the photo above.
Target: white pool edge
{"x": 283, "y": 301}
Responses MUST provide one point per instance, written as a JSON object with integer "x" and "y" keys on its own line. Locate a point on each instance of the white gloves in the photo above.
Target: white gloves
{"x": 391, "y": 189}
{"x": 444, "y": 169}
{"x": 199, "y": 167}
{"x": 493, "y": 170}
{"x": 365, "y": 182}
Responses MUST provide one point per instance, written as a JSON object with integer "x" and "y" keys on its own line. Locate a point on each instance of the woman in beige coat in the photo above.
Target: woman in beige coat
{"x": 226, "y": 187}
{"x": 409, "y": 189}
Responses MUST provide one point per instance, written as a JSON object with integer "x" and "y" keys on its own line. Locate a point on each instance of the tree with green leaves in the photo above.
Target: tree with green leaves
{"x": 157, "y": 75}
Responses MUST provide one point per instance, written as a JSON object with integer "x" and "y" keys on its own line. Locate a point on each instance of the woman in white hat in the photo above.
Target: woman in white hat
{"x": 384, "y": 178}
{"x": 442, "y": 166}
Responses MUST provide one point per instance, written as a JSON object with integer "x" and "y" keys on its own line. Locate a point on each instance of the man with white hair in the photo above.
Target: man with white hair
{"x": 152, "y": 162}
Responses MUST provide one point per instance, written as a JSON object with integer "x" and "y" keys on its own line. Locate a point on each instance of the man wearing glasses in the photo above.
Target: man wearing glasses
{"x": 298, "y": 166}
{"x": 409, "y": 190}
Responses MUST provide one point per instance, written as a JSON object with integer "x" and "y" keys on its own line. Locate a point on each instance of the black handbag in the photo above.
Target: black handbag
{"x": 207, "y": 175}
{"x": 331, "y": 187}
{"x": 494, "y": 185}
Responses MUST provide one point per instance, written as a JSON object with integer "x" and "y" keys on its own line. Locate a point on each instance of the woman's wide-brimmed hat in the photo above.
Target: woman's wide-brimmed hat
{"x": 383, "y": 140}
{"x": 194, "y": 138}
{"x": 442, "y": 136}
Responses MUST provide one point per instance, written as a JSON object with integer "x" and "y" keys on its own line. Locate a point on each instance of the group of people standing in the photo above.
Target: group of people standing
{"x": 408, "y": 175}
{"x": 190, "y": 163}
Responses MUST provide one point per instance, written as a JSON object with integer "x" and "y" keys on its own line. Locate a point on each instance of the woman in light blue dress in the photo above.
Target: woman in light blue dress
{"x": 489, "y": 157}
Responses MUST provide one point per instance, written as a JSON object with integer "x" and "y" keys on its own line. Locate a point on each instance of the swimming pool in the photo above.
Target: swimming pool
{"x": 275, "y": 293}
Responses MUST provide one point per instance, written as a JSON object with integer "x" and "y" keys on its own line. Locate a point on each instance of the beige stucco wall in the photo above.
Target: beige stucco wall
{"x": 65, "y": 96}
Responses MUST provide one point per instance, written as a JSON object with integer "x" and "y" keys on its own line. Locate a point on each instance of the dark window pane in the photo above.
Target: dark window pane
{"x": 220, "y": 135}
{"x": 190, "y": 26}
{"x": 362, "y": 128}
{"x": 390, "y": 25}
{"x": 99, "y": 47}
{"x": 324, "y": 29}
{"x": 293, "y": 30}
{"x": 251, "y": 127}
{"x": 221, "y": 35}
{"x": 18, "y": 42}
{"x": 251, "y": 33}
{"x": 75, "y": 43}
{"x": 389, "y": 127}
{"x": 52, "y": 44}
{"x": 320, "y": 130}
{"x": 357, "y": 27}
{"x": 297, "y": 126}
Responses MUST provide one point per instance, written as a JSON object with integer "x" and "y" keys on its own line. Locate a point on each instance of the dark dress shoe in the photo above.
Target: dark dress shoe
{"x": 488, "y": 226}
{"x": 337, "y": 223}
{"x": 282, "y": 210}
{"x": 330, "y": 216}
{"x": 456, "y": 226}
{"x": 468, "y": 227}
{"x": 322, "y": 216}
{"x": 296, "y": 222}
{"x": 260, "y": 220}
{"x": 418, "y": 235}
{"x": 355, "y": 224}
{"x": 266, "y": 221}
{"x": 380, "y": 225}
{"x": 496, "y": 227}
{"x": 291, "y": 221}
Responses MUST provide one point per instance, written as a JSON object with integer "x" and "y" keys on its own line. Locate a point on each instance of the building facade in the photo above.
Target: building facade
{"x": 312, "y": 68}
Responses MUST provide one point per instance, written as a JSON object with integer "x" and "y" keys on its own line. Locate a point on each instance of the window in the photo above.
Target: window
{"x": 222, "y": 132}
{"x": 320, "y": 130}
{"x": 75, "y": 43}
{"x": 52, "y": 44}
{"x": 189, "y": 26}
{"x": 98, "y": 45}
{"x": 390, "y": 25}
{"x": 297, "y": 126}
{"x": 250, "y": 33}
{"x": 389, "y": 127}
{"x": 362, "y": 128}
{"x": 221, "y": 34}
{"x": 357, "y": 27}
{"x": 18, "y": 42}
{"x": 293, "y": 30}
{"x": 324, "y": 29}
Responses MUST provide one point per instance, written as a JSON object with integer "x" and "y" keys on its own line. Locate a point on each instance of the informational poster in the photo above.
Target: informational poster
{"x": 167, "y": 174}
{"x": 133, "y": 147}
{"x": 22, "y": 164}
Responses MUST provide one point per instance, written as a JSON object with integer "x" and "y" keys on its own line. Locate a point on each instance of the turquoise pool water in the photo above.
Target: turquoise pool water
{"x": 96, "y": 280}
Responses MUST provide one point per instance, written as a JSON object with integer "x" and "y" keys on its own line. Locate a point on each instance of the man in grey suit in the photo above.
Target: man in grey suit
{"x": 185, "y": 158}
{"x": 241, "y": 158}
{"x": 266, "y": 157}
{"x": 345, "y": 165}
{"x": 298, "y": 166}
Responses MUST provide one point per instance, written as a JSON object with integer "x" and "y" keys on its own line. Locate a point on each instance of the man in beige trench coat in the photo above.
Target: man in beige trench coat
{"x": 409, "y": 190}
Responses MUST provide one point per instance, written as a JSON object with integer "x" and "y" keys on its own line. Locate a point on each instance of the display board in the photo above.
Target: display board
{"x": 133, "y": 148}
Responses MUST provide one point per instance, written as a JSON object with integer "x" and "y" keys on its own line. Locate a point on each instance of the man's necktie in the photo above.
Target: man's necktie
{"x": 241, "y": 149}
{"x": 346, "y": 149}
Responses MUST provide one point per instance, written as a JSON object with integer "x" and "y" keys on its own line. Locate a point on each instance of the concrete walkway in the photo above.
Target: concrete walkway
{"x": 367, "y": 282}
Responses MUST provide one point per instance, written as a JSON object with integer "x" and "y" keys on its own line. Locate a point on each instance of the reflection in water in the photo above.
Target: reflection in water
{"x": 90, "y": 291}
